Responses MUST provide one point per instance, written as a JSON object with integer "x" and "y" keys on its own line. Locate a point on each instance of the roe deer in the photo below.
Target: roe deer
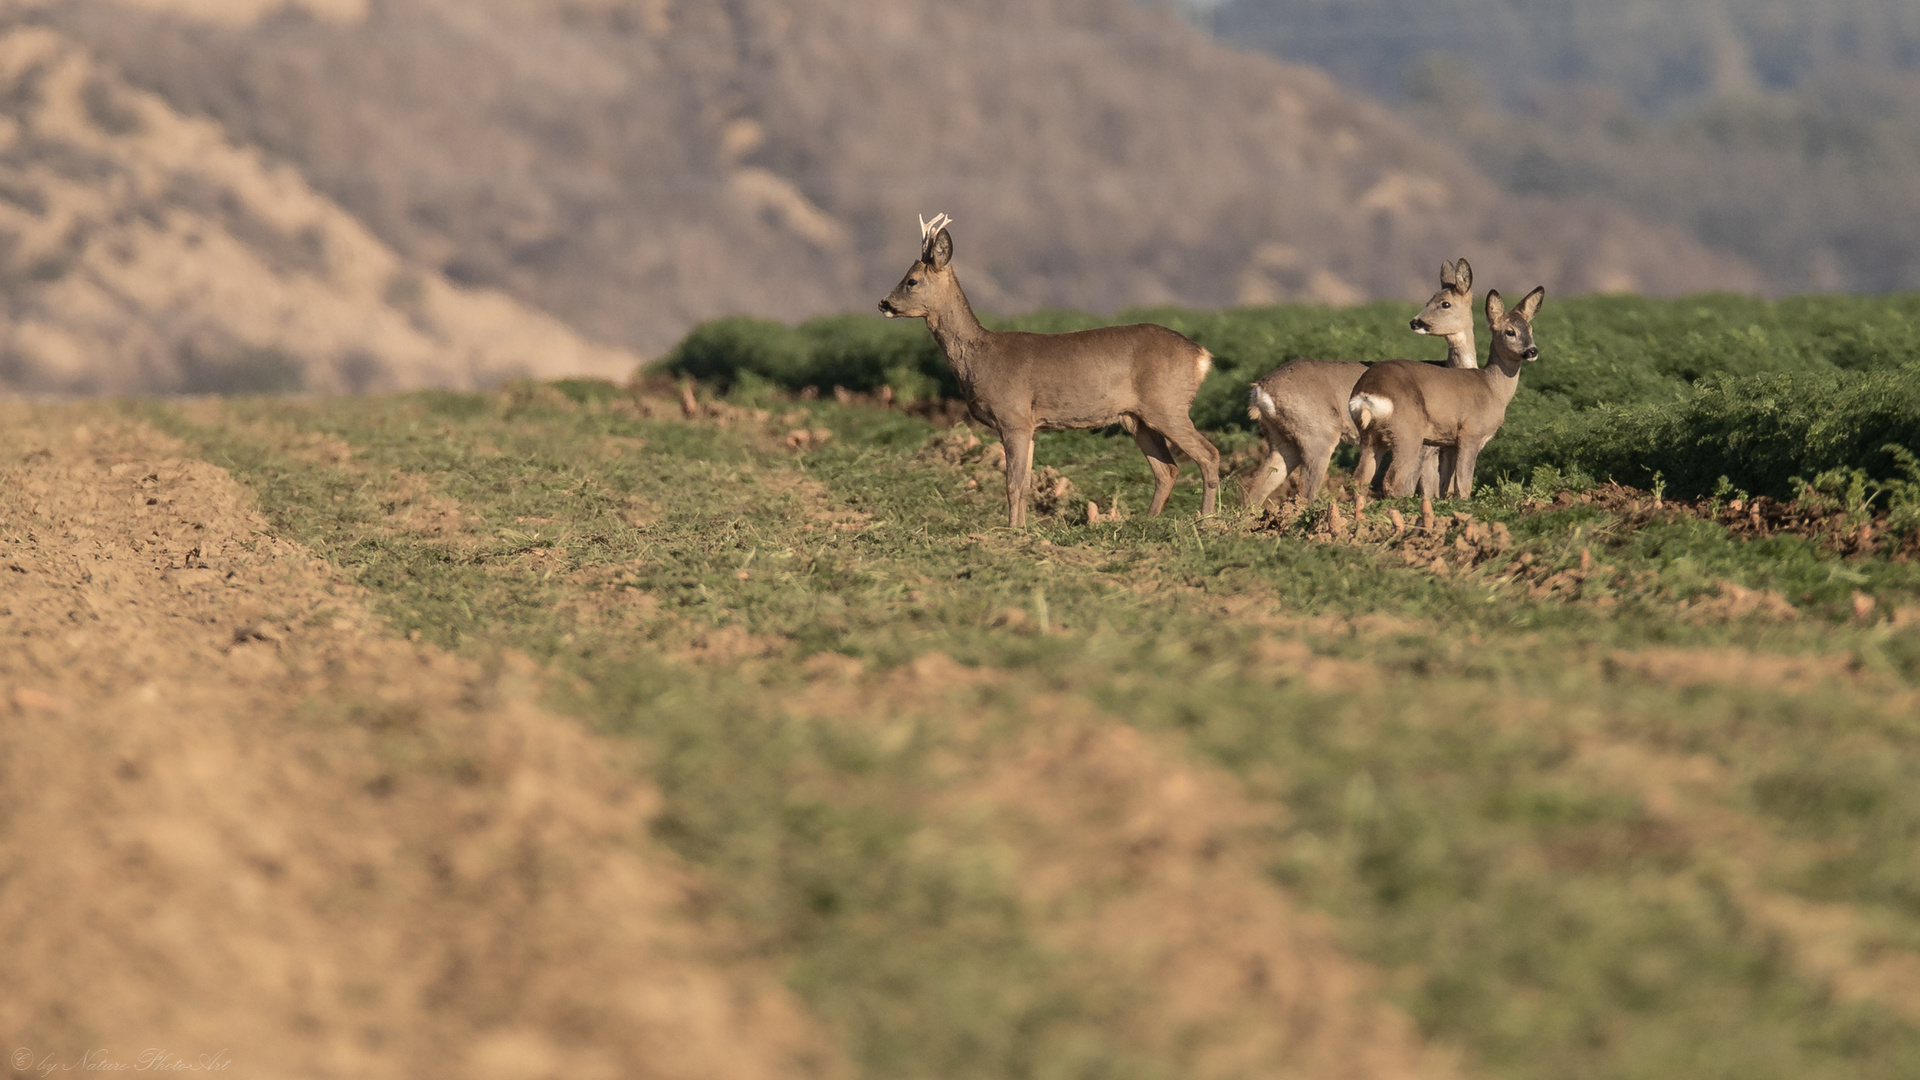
{"x": 1399, "y": 404}
{"x": 1301, "y": 406}
{"x": 1141, "y": 377}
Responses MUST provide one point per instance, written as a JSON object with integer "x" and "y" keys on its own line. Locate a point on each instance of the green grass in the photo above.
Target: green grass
{"x": 1441, "y": 804}
{"x": 1692, "y": 389}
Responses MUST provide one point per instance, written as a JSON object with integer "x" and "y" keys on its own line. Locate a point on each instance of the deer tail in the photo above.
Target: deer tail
{"x": 1201, "y": 365}
{"x": 1367, "y": 408}
{"x": 1260, "y": 403}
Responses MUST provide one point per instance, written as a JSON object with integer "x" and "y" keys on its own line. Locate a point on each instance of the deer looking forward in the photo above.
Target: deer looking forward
{"x": 1141, "y": 377}
{"x": 1301, "y": 406}
{"x": 1399, "y": 405}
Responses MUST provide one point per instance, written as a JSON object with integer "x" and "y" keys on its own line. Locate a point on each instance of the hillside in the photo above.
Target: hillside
{"x": 144, "y": 251}
{"x": 634, "y": 167}
{"x": 1658, "y": 56}
{"x": 1784, "y": 132}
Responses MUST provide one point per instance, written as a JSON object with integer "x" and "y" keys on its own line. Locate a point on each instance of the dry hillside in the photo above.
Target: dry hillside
{"x": 141, "y": 250}
{"x": 1783, "y": 132}
{"x": 636, "y": 165}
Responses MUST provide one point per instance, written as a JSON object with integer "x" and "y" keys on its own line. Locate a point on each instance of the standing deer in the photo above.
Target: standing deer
{"x": 1301, "y": 406}
{"x": 1399, "y": 404}
{"x": 1141, "y": 377}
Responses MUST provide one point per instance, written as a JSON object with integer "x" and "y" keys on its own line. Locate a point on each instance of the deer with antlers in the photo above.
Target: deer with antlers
{"x": 1141, "y": 377}
{"x": 1301, "y": 406}
{"x": 1400, "y": 405}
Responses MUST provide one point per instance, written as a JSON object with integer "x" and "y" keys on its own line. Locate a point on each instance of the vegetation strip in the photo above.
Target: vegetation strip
{"x": 1682, "y": 392}
{"x": 1423, "y": 735}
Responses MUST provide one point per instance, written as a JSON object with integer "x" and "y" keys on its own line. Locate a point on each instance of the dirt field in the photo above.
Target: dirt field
{"x": 246, "y": 826}
{"x": 523, "y": 735}
{"x": 243, "y": 823}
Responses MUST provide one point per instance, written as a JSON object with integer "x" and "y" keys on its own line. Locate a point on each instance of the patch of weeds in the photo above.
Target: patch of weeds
{"x": 813, "y": 834}
{"x": 1433, "y": 748}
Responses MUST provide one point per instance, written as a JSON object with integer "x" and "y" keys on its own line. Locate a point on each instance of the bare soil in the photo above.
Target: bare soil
{"x": 1141, "y": 869}
{"x": 238, "y": 817}
{"x": 237, "y": 820}
{"x": 1144, "y": 864}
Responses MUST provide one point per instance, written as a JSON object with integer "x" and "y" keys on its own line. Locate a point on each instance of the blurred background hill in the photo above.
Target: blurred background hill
{"x": 1783, "y": 131}
{"x": 634, "y": 166}
{"x": 141, "y": 250}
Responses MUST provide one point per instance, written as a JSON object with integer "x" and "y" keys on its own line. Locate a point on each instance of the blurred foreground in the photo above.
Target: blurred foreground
{"x": 614, "y": 724}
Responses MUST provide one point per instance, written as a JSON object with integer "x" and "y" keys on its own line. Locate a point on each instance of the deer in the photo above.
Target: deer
{"x": 1400, "y": 404}
{"x": 1301, "y": 406}
{"x": 1142, "y": 377}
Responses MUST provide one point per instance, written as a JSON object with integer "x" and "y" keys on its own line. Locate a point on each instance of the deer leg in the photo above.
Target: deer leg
{"x": 1404, "y": 471}
{"x": 1282, "y": 461}
{"x": 1449, "y": 457}
{"x": 1019, "y": 444}
{"x": 1184, "y": 435}
{"x": 1369, "y": 459}
{"x": 1463, "y": 466}
{"x": 1431, "y": 472}
{"x": 1160, "y": 460}
{"x": 1313, "y": 472}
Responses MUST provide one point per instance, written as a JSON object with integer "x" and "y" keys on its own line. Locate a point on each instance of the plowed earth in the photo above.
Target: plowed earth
{"x": 241, "y": 823}
{"x": 822, "y": 773}
{"x": 237, "y": 819}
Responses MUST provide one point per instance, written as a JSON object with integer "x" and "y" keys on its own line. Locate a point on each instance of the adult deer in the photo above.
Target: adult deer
{"x": 1399, "y": 404}
{"x": 1301, "y": 406}
{"x": 1141, "y": 377}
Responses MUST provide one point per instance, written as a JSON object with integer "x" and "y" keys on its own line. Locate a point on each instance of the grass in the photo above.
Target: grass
{"x": 1467, "y": 777}
{"x": 1692, "y": 390}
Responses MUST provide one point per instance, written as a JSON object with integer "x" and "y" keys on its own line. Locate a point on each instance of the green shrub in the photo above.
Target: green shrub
{"x": 1695, "y": 389}
{"x": 719, "y": 350}
{"x": 853, "y": 351}
{"x": 584, "y": 391}
{"x": 1759, "y": 432}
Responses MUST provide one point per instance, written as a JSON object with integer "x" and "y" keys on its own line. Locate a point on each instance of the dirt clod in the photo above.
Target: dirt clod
{"x": 808, "y": 438}
{"x": 1864, "y": 606}
{"x": 1052, "y": 492}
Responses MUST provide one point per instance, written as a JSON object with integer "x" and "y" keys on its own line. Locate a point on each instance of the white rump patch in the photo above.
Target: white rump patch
{"x": 1202, "y": 364}
{"x": 1366, "y": 408}
{"x": 1260, "y": 403}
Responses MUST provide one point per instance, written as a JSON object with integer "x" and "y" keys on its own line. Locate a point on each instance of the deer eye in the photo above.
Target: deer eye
{"x": 1446, "y": 303}
{"x": 1511, "y": 334}
{"x": 912, "y": 281}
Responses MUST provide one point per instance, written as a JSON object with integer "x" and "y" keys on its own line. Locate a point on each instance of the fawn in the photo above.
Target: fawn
{"x": 1301, "y": 406}
{"x": 1399, "y": 404}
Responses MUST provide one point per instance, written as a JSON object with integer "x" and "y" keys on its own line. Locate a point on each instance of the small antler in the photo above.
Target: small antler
{"x": 929, "y": 229}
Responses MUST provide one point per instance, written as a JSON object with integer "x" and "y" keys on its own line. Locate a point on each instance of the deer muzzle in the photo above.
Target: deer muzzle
{"x": 1420, "y": 326}
{"x": 886, "y": 308}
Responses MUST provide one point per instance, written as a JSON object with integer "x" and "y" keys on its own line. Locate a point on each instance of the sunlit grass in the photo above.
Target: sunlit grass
{"x": 1432, "y": 748}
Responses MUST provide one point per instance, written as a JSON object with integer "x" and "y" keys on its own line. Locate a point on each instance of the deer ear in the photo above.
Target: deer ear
{"x": 1447, "y": 277}
{"x": 939, "y": 250}
{"x": 1496, "y": 308}
{"x": 1463, "y": 278}
{"x": 1530, "y": 306}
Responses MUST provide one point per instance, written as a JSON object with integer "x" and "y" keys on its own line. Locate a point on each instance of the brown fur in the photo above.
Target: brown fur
{"x": 1400, "y": 404}
{"x": 1142, "y": 377}
{"x": 1301, "y": 406}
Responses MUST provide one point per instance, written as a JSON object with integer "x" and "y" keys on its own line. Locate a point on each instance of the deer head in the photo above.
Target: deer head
{"x": 1513, "y": 330}
{"x": 929, "y": 278}
{"x": 1451, "y": 309}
